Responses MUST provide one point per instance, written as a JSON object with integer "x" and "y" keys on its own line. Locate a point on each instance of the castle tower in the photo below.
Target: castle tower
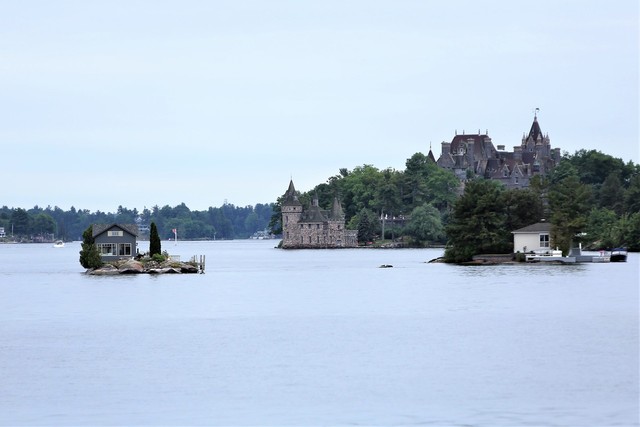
{"x": 291, "y": 214}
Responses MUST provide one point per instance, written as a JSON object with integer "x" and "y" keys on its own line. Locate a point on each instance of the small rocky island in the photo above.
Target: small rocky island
{"x": 146, "y": 266}
{"x": 109, "y": 249}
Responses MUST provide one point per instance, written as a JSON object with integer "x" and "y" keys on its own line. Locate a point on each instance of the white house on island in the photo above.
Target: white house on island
{"x": 534, "y": 237}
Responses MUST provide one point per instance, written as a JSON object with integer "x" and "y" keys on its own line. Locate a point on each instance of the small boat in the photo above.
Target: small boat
{"x": 619, "y": 255}
{"x": 58, "y": 244}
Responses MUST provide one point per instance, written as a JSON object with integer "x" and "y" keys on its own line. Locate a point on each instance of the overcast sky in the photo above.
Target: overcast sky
{"x": 138, "y": 103}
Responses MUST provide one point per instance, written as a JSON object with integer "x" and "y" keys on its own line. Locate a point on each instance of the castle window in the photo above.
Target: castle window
{"x": 318, "y": 226}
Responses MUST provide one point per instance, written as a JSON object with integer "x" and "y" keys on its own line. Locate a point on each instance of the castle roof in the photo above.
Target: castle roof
{"x": 313, "y": 214}
{"x": 430, "y": 156}
{"x": 535, "y": 131}
{"x": 336, "y": 210}
{"x": 290, "y": 196}
{"x": 482, "y": 145}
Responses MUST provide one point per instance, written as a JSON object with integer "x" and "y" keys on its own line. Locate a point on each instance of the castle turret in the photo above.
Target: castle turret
{"x": 291, "y": 214}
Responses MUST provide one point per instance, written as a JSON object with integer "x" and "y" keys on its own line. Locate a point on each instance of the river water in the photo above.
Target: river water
{"x": 317, "y": 337}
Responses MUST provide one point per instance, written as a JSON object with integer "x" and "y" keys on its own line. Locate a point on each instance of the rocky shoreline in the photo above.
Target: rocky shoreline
{"x": 150, "y": 267}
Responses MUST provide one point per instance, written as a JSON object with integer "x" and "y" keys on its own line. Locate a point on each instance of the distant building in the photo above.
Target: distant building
{"x": 313, "y": 227}
{"x": 476, "y": 153}
{"x": 115, "y": 241}
{"x": 2, "y": 233}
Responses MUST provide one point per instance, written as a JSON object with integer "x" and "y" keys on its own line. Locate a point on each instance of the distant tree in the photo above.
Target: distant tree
{"x": 425, "y": 225}
{"x": 569, "y": 202}
{"x": 630, "y": 236}
{"x": 601, "y": 227}
{"x": 477, "y": 223}
{"x": 89, "y": 255}
{"x": 366, "y": 222}
{"x": 522, "y": 207}
{"x": 43, "y": 223}
{"x": 154, "y": 240}
{"x": 21, "y": 221}
{"x": 632, "y": 195}
{"x": 612, "y": 193}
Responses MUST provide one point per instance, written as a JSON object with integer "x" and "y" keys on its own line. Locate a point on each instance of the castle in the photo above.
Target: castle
{"x": 314, "y": 227}
{"x": 477, "y": 154}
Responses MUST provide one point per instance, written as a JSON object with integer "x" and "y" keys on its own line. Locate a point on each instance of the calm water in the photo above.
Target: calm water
{"x": 272, "y": 337}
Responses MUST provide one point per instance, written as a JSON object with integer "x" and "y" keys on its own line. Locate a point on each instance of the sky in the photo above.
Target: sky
{"x": 137, "y": 103}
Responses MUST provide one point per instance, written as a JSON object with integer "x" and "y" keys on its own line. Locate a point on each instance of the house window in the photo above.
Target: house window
{"x": 544, "y": 240}
{"x": 115, "y": 233}
{"x": 107, "y": 249}
{"x": 124, "y": 249}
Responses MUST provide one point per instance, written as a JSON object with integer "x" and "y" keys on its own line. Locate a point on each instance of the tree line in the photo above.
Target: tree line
{"x": 591, "y": 198}
{"x": 224, "y": 222}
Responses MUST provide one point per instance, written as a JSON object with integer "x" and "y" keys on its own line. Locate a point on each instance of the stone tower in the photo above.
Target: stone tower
{"x": 291, "y": 215}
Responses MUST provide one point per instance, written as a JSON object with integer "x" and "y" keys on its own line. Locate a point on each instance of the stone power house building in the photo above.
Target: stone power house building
{"x": 312, "y": 227}
{"x": 477, "y": 154}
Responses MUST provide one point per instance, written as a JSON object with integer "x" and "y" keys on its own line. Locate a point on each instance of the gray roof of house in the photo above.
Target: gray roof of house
{"x": 101, "y": 228}
{"x": 535, "y": 228}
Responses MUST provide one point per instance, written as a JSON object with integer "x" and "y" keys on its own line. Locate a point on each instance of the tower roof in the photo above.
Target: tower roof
{"x": 535, "y": 131}
{"x": 290, "y": 196}
{"x": 336, "y": 210}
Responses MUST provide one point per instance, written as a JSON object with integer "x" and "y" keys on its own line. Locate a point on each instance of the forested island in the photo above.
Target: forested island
{"x": 590, "y": 196}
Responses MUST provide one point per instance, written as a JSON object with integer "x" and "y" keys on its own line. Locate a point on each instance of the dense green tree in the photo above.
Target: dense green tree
{"x": 594, "y": 167}
{"x": 43, "y": 223}
{"x": 477, "y": 223}
{"x": 366, "y": 222}
{"x": 630, "y": 232}
{"x": 416, "y": 174}
{"x": 522, "y": 207}
{"x": 601, "y": 228}
{"x": 155, "y": 247}
{"x": 425, "y": 225}
{"x": 569, "y": 202}
{"x": 612, "y": 193}
{"x": 632, "y": 195}
{"x": 21, "y": 221}
{"x": 89, "y": 255}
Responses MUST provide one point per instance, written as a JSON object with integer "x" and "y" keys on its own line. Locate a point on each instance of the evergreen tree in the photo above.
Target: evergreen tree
{"x": 89, "y": 255}
{"x": 154, "y": 240}
{"x": 366, "y": 224}
{"x": 478, "y": 222}
{"x": 569, "y": 201}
